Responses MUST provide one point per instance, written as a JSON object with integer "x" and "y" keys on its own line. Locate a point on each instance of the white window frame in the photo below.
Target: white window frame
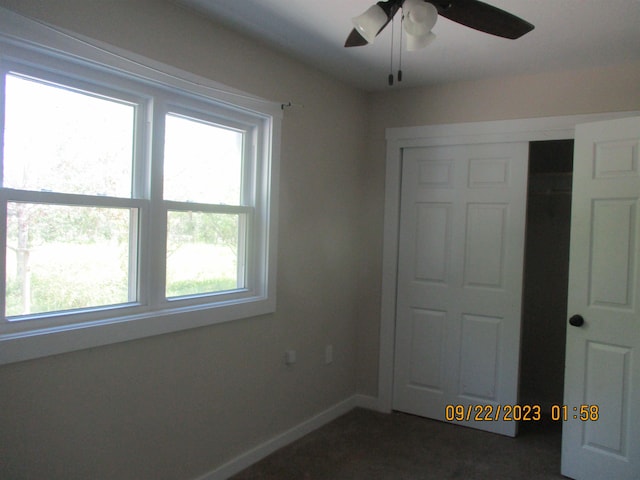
{"x": 157, "y": 89}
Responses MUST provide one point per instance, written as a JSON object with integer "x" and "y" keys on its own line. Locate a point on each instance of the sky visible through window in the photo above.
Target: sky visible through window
{"x": 60, "y": 140}
{"x": 214, "y": 152}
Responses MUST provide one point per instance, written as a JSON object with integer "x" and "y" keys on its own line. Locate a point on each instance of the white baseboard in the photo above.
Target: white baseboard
{"x": 365, "y": 401}
{"x": 261, "y": 451}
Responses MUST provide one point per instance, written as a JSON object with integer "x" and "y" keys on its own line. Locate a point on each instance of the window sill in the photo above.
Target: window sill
{"x": 32, "y": 344}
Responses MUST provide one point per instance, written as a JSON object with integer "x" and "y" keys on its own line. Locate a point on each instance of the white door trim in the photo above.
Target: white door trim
{"x": 533, "y": 129}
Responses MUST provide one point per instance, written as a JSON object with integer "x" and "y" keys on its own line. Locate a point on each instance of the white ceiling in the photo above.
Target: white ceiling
{"x": 568, "y": 34}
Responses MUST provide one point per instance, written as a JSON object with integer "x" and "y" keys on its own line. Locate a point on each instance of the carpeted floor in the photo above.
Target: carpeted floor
{"x": 368, "y": 445}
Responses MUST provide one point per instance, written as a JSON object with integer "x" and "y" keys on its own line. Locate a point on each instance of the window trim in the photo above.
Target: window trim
{"x": 22, "y": 39}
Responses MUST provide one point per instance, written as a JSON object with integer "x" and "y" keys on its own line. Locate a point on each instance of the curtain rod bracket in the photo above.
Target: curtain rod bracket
{"x": 290, "y": 105}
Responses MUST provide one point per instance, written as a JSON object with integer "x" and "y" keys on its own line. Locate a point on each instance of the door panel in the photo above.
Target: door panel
{"x": 426, "y": 349}
{"x": 433, "y": 233}
{"x": 612, "y": 255}
{"x": 484, "y": 256}
{"x": 479, "y": 353}
{"x": 602, "y": 375}
{"x": 607, "y": 378}
{"x": 460, "y": 279}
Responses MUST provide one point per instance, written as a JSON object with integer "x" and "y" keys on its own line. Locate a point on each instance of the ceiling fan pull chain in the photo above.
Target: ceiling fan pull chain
{"x": 391, "y": 60}
{"x": 400, "y": 59}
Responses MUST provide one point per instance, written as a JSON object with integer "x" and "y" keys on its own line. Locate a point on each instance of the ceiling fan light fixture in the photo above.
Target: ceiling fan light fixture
{"x": 370, "y": 22}
{"x": 418, "y": 42}
{"x": 419, "y": 17}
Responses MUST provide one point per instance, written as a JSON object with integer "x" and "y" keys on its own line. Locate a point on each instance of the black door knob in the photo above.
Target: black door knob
{"x": 576, "y": 320}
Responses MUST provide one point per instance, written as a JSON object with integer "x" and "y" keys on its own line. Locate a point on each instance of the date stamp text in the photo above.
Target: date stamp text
{"x": 517, "y": 413}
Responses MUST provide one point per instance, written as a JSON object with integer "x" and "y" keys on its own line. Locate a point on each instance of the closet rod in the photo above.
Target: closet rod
{"x": 544, "y": 194}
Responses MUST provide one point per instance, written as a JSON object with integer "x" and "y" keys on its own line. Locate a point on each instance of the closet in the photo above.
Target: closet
{"x": 546, "y": 268}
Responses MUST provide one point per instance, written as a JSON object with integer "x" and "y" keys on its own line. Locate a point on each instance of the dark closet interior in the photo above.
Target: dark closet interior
{"x": 546, "y": 270}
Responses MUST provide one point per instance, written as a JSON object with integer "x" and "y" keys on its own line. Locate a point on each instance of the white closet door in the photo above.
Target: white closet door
{"x": 461, "y": 249}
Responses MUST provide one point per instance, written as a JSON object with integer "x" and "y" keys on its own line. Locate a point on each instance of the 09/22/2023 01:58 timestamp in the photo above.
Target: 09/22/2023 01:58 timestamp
{"x": 516, "y": 413}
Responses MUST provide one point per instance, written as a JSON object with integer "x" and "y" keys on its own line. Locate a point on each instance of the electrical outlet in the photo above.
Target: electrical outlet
{"x": 328, "y": 354}
{"x": 290, "y": 357}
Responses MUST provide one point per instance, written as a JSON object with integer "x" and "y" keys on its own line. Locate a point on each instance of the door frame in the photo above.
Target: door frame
{"x": 502, "y": 131}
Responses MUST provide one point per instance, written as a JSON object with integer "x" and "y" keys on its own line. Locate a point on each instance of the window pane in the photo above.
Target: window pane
{"x": 202, "y": 162}
{"x": 63, "y": 257}
{"x": 64, "y": 141}
{"x": 203, "y": 253}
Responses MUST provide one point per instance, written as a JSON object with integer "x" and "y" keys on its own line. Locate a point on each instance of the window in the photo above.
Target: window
{"x": 131, "y": 202}
{"x": 206, "y": 245}
{"x": 71, "y": 237}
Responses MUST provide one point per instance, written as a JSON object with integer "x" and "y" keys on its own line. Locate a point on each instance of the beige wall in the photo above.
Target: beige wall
{"x": 177, "y": 406}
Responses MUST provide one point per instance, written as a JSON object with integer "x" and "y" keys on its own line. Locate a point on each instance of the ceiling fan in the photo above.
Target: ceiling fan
{"x": 419, "y": 17}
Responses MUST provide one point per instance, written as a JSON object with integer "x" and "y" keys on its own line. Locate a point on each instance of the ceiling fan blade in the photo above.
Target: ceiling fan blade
{"x": 483, "y": 17}
{"x": 390, "y": 8}
{"x": 355, "y": 39}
